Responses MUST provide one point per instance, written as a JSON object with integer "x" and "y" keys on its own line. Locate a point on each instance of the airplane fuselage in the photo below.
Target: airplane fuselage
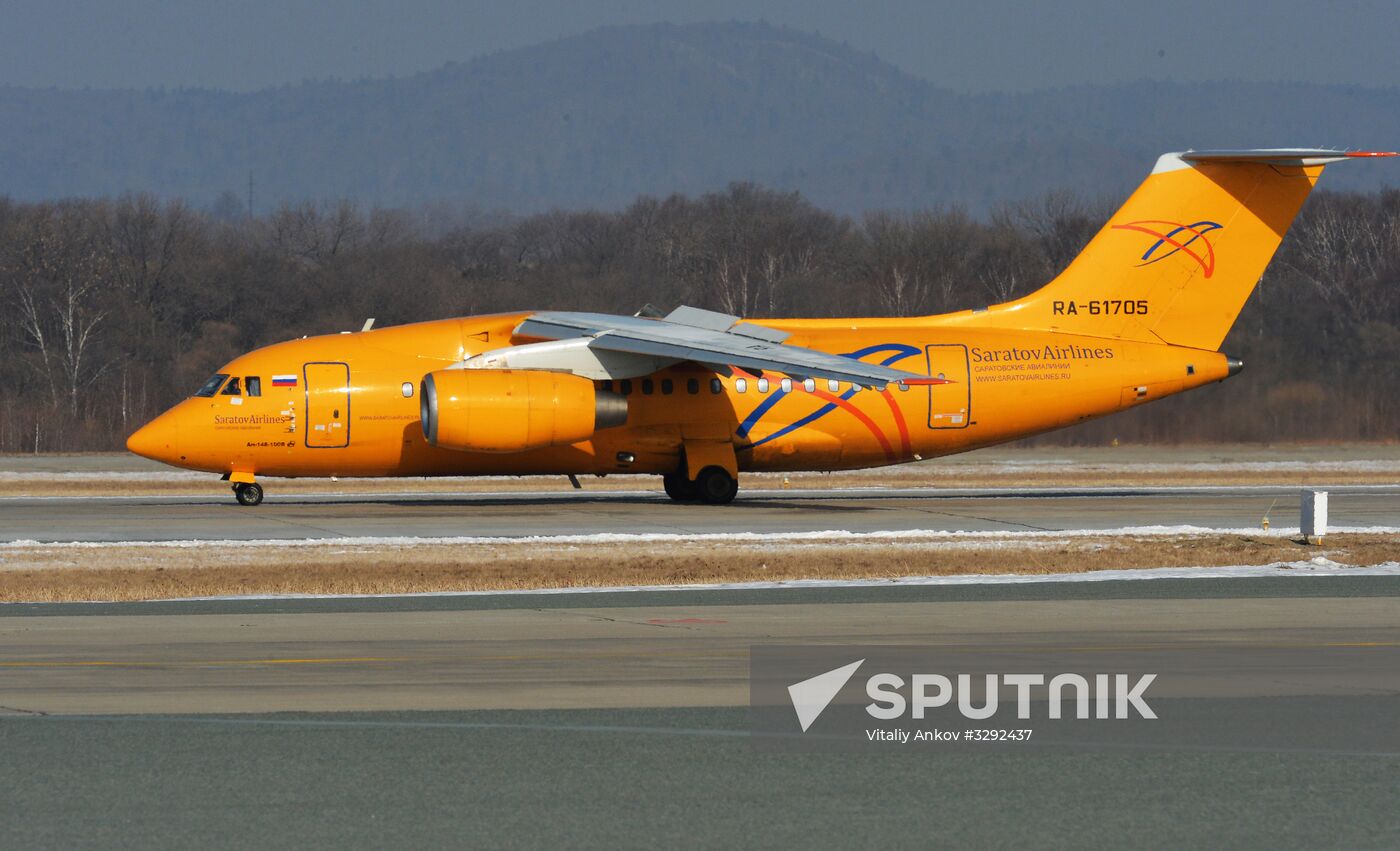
{"x": 352, "y": 407}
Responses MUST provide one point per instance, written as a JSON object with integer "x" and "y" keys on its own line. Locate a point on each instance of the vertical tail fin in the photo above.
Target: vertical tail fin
{"x": 1176, "y": 263}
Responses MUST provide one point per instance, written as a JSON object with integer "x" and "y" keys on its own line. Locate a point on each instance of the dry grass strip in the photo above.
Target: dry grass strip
{"x": 66, "y": 573}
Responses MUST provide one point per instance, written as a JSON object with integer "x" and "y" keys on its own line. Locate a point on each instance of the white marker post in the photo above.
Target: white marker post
{"x": 1314, "y": 520}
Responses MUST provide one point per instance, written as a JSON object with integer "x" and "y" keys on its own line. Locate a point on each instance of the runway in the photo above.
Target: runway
{"x": 608, "y": 716}
{"x": 774, "y": 511}
{"x": 442, "y": 719}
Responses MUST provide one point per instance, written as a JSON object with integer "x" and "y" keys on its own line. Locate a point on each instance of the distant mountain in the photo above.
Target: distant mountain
{"x": 599, "y": 118}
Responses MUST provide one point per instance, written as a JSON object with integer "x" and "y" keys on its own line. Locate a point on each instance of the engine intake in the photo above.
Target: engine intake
{"x": 505, "y": 410}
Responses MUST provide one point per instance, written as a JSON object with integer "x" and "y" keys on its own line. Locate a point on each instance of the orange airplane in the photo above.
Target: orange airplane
{"x": 697, "y": 396}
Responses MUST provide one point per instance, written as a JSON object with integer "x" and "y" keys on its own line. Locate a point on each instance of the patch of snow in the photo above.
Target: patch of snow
{"x": 764, "y": 538}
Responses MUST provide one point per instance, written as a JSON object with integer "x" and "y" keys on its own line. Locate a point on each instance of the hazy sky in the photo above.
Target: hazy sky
{"x": 977, "y": 46}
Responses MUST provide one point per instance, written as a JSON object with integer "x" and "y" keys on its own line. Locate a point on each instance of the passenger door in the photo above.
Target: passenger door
{"x": 949, "y": 405}
{"x": 327, "y": 405}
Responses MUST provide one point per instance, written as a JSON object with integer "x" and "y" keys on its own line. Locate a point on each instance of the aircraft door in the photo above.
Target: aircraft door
{"x": 327, "y": 405}
{"x": 949, "y": 405}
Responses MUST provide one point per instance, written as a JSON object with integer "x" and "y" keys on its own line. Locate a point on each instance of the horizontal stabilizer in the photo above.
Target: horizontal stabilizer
{"x": 1279, "y": 156}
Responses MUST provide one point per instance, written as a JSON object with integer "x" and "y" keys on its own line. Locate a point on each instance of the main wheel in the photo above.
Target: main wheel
{"x": 679, "y": 488}
{"x": 716, "y": 486}
{"x": 248, "y": 493}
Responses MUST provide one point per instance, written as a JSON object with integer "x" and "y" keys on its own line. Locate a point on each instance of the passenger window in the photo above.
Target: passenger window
{"x": 692, "y": 386}
{"x": 232, "y": 389}
{"x": 740, "y": 385}
{"x": 833, "y": 385}
{"x": 787, "y": 385}
{"x": 627, "y": 387}
{"x": 406, "y": 389}
{"x": 809, "y": 385}
{"x": 667, "y": 386}
{"x": 253, "y": 385}
{"x": 212, "y": 385}
{"x": 647, "y": 386}
{"x": 763, "y": 385}
{"x": 716, "y": 386}
{"x": 607, "y": 385}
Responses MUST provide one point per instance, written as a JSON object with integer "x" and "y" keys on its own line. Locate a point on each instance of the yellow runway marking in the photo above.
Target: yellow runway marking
{"x": 727, "y": 653}
{"x": 533, "y": 657}
{"x": 1364, "y": 644}
{"x": 1187, "y": 645}
{"x": 98, "y": 663}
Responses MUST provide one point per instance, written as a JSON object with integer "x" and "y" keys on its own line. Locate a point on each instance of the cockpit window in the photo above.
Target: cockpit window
{"x": 232, "y": 389}
{"x": 252, "y": 385}
{"x": 212, "y": 385}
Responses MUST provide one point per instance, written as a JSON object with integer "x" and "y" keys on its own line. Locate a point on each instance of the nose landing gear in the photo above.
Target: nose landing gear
{"x": 248, "y": 493}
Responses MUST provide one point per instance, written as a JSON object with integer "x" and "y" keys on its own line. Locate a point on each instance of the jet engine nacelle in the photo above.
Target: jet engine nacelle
{"x": 508, "y": 410}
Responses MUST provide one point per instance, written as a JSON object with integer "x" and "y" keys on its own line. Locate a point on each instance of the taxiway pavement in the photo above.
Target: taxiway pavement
{"x": 619, "y": 718}
{"x": 638, "y": 649}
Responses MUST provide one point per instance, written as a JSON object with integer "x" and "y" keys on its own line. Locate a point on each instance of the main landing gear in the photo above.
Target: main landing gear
{"x": 679, "y": 488}
{"x": 248, "y": 493}
{"x": 714, "y": 486}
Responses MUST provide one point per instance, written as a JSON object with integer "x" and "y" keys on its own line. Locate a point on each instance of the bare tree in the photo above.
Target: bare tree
{"x": 58, "y": 277}
{"x": 1341, "y": 248}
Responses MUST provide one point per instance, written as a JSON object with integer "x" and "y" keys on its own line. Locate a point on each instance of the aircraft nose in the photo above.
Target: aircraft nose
{"x": 155, "y": 439}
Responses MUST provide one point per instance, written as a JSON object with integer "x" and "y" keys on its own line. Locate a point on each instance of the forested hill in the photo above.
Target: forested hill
{"x": 597, "y": 119}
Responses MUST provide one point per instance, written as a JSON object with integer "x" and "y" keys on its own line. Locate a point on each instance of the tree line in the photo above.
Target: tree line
{"x": 117, "y": 308}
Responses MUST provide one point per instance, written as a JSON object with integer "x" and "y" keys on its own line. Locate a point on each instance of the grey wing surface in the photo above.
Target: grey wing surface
{"x": 712, "y": 339}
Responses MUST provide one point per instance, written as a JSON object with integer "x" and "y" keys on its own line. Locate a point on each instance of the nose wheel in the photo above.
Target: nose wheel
{"x": 248, "y": 493}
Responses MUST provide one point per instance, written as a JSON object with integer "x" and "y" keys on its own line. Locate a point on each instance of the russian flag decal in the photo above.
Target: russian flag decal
{"x": 284, "y": 381}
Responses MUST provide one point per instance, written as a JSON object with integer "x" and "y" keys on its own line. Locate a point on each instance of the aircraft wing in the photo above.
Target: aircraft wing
{"x": 714, "y": 339}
